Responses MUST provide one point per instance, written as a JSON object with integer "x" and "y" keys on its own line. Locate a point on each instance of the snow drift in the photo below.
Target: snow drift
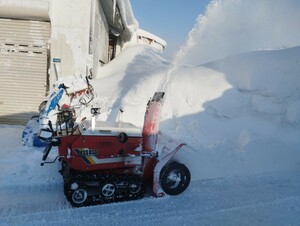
{"x": 238, "y": 115}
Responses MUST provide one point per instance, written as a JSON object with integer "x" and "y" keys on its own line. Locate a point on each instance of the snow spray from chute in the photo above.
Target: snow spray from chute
{"x": 221, "y": 31}
{"x": 167, "y": 80}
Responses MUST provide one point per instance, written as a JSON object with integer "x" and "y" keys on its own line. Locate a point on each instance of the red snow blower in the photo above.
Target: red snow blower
{"x": 105, "y": 162}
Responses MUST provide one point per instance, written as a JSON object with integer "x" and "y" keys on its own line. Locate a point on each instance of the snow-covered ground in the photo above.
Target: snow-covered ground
{"x": 238, "y": 111}
{"x": 33, "y": 195}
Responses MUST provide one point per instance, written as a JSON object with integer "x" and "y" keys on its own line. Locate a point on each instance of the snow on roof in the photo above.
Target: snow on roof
{"x": 132, "y": 29}
{"x": 151, "y": 39}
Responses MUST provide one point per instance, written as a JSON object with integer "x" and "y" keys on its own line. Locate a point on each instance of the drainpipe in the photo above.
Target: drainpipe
{"x": 92, "y": 26}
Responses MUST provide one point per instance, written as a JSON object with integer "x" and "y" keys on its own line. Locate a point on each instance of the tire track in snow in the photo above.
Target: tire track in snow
{"x": 204, "y": 201}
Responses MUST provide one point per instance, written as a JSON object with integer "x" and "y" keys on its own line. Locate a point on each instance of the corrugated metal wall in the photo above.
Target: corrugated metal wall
{"x": 23, "y": 68}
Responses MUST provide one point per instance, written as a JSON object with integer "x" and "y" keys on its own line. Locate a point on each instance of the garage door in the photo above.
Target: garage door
{"x": 23, "y": 68}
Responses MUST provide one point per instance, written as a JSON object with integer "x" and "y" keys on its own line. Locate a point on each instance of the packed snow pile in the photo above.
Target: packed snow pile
{"x": 239, "y": 115}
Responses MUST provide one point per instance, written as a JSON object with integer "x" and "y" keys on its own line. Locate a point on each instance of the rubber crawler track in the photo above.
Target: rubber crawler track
{"x": 126, "y": 187}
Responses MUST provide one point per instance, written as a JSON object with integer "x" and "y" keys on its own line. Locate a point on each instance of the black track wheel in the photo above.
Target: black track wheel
{"x": 79, "y": 197}
{"x": 174, "y": 178}
{"x": 108, "y": 190}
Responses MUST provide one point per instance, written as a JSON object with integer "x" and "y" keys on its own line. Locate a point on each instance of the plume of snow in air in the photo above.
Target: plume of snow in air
{"x": 230, "y": 27}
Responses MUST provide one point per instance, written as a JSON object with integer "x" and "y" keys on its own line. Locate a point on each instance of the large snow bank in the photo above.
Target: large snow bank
{"x": 233, "y": 26}
{"x": 239, "y": 115}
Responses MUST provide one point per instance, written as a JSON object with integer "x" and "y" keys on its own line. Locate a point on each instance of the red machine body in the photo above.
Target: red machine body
{"x": 101, "y": 149}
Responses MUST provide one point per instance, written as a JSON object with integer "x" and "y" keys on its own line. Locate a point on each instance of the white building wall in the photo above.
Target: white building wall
{"x": 70, "y": 30}
{"x": 100, "y": 38}
{"x": 71, "y": 25}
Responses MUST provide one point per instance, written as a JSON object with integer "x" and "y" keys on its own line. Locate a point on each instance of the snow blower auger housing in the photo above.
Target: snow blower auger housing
{"x": 105, "y": 162}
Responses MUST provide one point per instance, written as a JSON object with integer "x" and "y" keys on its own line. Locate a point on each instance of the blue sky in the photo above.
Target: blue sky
{"x": 171, "y": 20}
